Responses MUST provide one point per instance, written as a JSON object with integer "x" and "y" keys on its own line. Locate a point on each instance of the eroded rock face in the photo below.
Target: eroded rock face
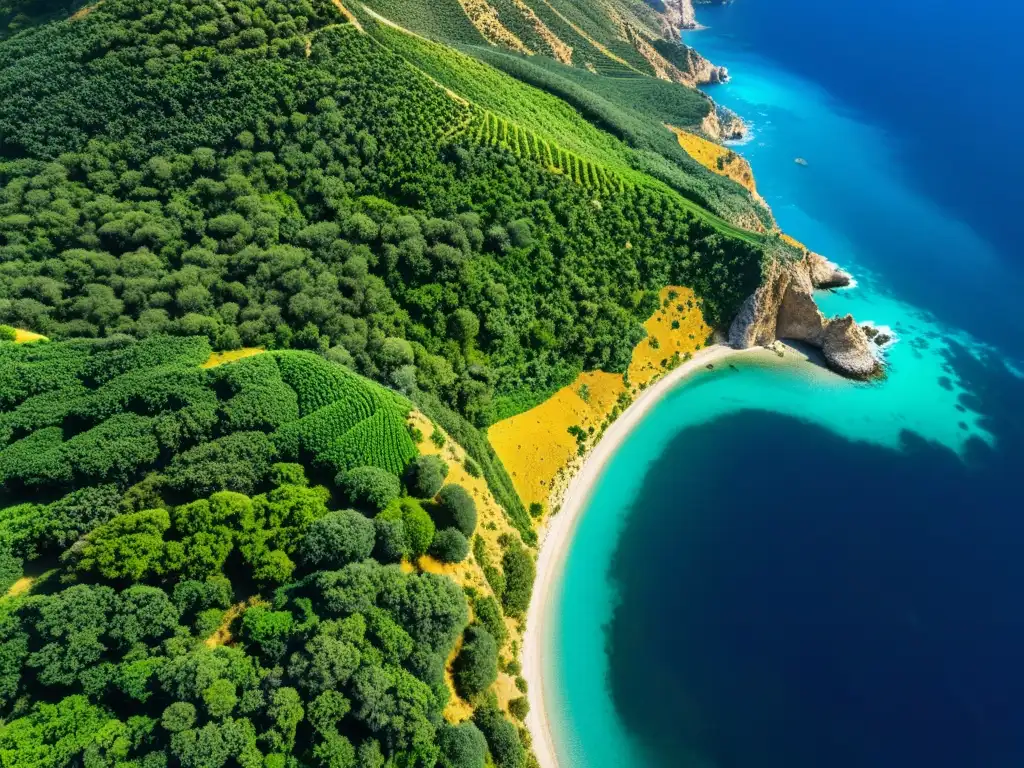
{"x": 783, "y": 307}
{"x": 679, "y": 15}
{"x": 847, "y": 349}
{"x": 720, "y": 124}
{"x": 825, "y": 274}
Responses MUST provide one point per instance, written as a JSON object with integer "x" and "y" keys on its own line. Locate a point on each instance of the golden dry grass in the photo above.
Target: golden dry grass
{"x": 21, "y": 336}
{"x": 222, "y": 635}
{"x": 707, "y": 153}
{"x": 81, "y": 13}
{"x": 20, "y": 587}
{"x": 349, "y": 16}
{"x": 219, "y": 358}
{"x": 491, "y": 524}
{"x": 793, "y": 241}
{"x": 536, "y": 447}
{"x": 489, "y": 25}
{"x": 559, "y": 49}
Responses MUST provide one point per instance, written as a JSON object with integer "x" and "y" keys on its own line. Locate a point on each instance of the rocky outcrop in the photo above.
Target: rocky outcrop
{"x": 721, "y": 124}
{"x": 679, "y": 15}
{"x": 784, "y": 308}
{"x": 825, "y": 274}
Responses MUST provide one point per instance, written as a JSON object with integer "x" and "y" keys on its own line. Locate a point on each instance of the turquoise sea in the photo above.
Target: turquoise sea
{"x": 783, "y": 568}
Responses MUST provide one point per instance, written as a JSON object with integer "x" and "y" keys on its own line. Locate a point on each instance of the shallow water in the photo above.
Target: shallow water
{"x": 782, "y": 568}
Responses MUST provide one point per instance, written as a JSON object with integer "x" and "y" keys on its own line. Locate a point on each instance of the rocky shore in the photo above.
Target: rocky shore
{"x": 783, "y": 307}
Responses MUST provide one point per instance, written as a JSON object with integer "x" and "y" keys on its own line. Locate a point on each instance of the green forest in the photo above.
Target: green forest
{"x": 212, "y": 566}
{"x": 164, "y": 509}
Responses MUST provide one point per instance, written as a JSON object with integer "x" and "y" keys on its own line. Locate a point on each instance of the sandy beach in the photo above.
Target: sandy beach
{"x": 559, "y": 531}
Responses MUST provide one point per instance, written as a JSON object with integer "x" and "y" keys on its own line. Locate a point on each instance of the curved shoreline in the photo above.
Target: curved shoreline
{"x": 559, "y": 532}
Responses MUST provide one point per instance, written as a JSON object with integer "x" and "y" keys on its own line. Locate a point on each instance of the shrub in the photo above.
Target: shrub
{"x": 458, "y": 508}
{"x": 284, "y": 473}
{"x": 476, "y": 667}
{"x": 520, "y": 572}
{"x": 7, "y": 333}
{"x": 338, "y": 538}
{"x": 179, "y": 716}
{"x": 519, "y": 707}
{"x": 425, "y": 476}
{"x": 536, "y": 509}
{"x": 391, "y": 545}
{"x": 450, "y": 546}
{"x": 369, "y": 488}
{"x": 419, "y": 528}
{"x": 462, "y": 746}
{"x": 502, "y": 738}
{"x": 488, "y": 613}
{"x": 10, "y": 567}
{"x": 472, "y": 468}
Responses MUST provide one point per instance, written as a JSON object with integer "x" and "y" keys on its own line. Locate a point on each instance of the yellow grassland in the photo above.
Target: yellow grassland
{"x": 21, "y": 336}
{"x": 20, "y": 587}
{"x": 794, "y": 242}
{"x": 536, "y": 447}
{"x": 487, "y": 23}
{"x": 491, "y": 524}
{"x": 219, "y": 358}
{"x": 707, "y": 153}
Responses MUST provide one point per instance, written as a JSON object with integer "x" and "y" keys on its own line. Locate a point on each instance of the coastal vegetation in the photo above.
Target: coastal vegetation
{"x": 280, "y": 284}
{"x": 540, "y": 447}
{"x": 717, "y": 159}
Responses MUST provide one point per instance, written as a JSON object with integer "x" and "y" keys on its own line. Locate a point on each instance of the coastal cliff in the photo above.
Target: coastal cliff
{"x": 783, "y": 307}
{"x": 678, "y": 16}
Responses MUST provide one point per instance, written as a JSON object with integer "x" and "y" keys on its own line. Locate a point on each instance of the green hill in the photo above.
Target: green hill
{"x": 396, "y": 220}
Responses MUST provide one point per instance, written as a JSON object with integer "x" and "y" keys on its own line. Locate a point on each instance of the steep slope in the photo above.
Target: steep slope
{"x": 262, "y": 197}
{"x": 194, "y": 592}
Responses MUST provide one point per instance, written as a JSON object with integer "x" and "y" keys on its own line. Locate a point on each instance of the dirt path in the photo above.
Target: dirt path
{"x": 349, "y": 16}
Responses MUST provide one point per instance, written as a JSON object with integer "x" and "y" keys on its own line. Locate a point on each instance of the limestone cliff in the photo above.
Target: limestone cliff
{"x": 721, "y": 124}
{"x": 679, "y": 15}
{"x": 784, "y": 308}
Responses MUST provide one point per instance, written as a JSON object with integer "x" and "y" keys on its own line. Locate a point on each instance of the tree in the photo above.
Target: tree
{"x": 392, "y": 545}
{"x": 179, "y": 716}
{"x": 487, "y": 611}
{"x": 267, "y": 630}
{"x": 419, "y": 528}
{"x": 450, "y": 546}
{"x": 425, "y": 476}
{"x": 519, "y": 708}
{"x": 338, "y": 538}
{"x": 458, "y": 508}
{"x": 462, "y": 746}
{"x": 502, "y": 737}
{"x": 520, "y": 572}
{"x": 476, "y": 667}
{"x": 369, "y": 488}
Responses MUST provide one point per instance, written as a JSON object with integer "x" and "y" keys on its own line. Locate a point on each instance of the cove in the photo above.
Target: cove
{"x": 781, "y": 568}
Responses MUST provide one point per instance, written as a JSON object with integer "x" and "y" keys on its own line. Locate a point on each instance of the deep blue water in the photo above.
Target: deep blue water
{"x": 783, "y": 569}
{"x": 943, "y": 78}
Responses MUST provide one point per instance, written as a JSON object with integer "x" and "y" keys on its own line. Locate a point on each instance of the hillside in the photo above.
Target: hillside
{"x": 200, "y": 586}
{"x": 276, "y": 269}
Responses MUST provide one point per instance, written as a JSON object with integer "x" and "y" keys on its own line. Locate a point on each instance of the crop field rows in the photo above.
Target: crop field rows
{"x": 490, "y": 129}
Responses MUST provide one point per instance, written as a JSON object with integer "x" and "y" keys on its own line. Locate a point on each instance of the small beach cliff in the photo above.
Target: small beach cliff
{"x": 783, "y": 307}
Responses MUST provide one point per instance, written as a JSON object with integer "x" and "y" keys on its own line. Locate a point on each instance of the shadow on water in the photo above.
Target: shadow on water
{"x": 797, "y": 600}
